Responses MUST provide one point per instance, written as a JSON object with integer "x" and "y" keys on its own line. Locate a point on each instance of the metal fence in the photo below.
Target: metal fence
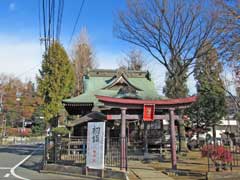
{"x": 72, "y": 151}
{"x": 219, "y": 165}
{"x": 112, "y": 152}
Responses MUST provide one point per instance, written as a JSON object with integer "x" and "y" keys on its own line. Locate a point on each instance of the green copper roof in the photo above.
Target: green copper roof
{"x": 96, "y": 81}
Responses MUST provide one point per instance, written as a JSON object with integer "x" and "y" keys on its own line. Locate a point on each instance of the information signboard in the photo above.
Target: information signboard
{"x": 95, "y": 145}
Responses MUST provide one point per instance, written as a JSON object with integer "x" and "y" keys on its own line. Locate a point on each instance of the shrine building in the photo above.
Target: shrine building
{"x": 133, "y": 111}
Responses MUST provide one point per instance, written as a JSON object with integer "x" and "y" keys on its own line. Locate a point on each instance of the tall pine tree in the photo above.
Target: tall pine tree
{"x": 176, "y": 87}
{"x": 211, "y": 104}
{"x": 56, "y": 80}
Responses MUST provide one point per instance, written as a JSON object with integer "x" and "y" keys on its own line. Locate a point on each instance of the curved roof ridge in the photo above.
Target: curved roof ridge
{"x": 177, "y": 101}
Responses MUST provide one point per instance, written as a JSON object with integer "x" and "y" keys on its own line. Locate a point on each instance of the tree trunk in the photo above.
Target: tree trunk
{"x": 214, "y": 134}
{"x": 182, "y": 143}
{"x": 145, "y": 138}
{"x": 197, "y": 138}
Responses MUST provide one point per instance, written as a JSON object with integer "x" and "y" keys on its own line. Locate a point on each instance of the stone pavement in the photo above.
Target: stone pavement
{"x": 144, "y": 172}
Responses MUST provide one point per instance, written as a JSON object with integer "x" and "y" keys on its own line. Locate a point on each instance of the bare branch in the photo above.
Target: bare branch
{"x": 168, "y": 29}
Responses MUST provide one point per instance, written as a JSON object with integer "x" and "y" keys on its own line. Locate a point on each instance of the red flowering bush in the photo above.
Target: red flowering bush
{"x": 25, "y": 132}
{"x": 19, "y": 132}
{"x": 217, "y": 153}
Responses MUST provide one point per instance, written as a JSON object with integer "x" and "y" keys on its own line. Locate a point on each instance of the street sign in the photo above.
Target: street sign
{"x": 95, "y": 145}
{"x": 148, "y": 112}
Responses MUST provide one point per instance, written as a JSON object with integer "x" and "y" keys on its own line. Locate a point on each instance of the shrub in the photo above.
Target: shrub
{"x": 63, "y": 131}
{"x": 217, "y": 153}
{"x": 19, "y": 132}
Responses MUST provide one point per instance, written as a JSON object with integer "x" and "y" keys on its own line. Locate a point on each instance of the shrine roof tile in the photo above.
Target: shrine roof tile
{"x": 94, "y": 85}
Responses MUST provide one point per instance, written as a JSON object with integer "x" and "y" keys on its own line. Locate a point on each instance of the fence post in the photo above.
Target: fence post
{"x": 54, "y": 149}
{"x": 208, "y": 161}
{"x": 69, "y": 140}
{"x": 44, "y": 152}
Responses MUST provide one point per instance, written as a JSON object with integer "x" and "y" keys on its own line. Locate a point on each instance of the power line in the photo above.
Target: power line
{"x": 53, "y": 18}
{"x": 30, "y": 69}
{"x": 59, "y": 18}
{"x": 44, "y": 24}
{"x": 49, "y": 22}
{"x": 76, "y": 22}
{"x": 39, "y": 19}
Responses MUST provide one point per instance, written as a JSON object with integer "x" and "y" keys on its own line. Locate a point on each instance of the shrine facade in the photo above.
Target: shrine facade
{"x": 129, "y": 104}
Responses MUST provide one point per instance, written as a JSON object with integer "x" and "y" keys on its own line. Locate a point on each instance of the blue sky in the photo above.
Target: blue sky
{"x": 19, "y": 32}
{"x": 20, "y": 50}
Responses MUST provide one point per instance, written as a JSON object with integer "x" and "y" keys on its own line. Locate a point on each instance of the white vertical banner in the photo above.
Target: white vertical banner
{"x": 95, "y": 145}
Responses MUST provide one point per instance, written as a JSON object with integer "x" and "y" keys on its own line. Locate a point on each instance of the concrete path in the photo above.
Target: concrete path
{"x": 144, "y": 172}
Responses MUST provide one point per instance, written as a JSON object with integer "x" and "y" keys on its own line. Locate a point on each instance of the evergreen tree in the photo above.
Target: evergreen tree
{"x": 176, "y": 84}
{"x": 176, "y": 87}
{"x": 39, "y": 124}
{"x": 56, "y": 80}
{"x": 211, "y": 105}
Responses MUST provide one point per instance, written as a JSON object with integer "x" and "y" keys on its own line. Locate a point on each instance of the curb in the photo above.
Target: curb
{"x": 68, "y": 174}
{"x": 76, "y": 175}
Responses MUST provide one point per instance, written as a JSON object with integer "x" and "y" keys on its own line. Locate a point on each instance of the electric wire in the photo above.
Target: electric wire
{"x": 39, "y": 20}
{"x": 44, "y": 25}
{"x": 53, "y": 19}
{"x": 76, "y": 22}
{"x": 49, "y": 22}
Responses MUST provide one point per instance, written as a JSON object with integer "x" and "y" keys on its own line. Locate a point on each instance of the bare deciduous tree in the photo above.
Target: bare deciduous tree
{"x": 229, "y": 49}
{"x": 168, "y": 29}
{"x": 133, "y": 60}
{"x": 229, "y": 21}
{"x": 83, "y": 59}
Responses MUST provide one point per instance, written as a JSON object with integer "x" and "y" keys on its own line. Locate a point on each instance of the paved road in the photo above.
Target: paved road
{"x": 23, "y": 162}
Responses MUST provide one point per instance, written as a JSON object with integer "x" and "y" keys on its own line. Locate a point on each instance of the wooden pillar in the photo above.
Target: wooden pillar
{"x": 123, "y": 162}
{"x": 173, "y": 139}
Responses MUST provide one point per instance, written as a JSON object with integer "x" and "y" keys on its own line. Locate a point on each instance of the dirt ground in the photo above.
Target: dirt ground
{"x": 191, "y": 162}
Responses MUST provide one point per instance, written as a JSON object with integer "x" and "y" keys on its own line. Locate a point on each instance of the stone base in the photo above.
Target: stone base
{"x": 81, "y": 172}
{"x": 146, "y": 158}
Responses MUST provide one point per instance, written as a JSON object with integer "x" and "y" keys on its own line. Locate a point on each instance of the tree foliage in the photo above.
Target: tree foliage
{"x": 176, "y": 84}
{"x": 63, "y": 131}
{"x": 19, "y": 99}
{"x": 56, "y": 80}
{"x": 39, "y": 124}
{"x": 83, "y": 59}
{"x": 210, "y": 107}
